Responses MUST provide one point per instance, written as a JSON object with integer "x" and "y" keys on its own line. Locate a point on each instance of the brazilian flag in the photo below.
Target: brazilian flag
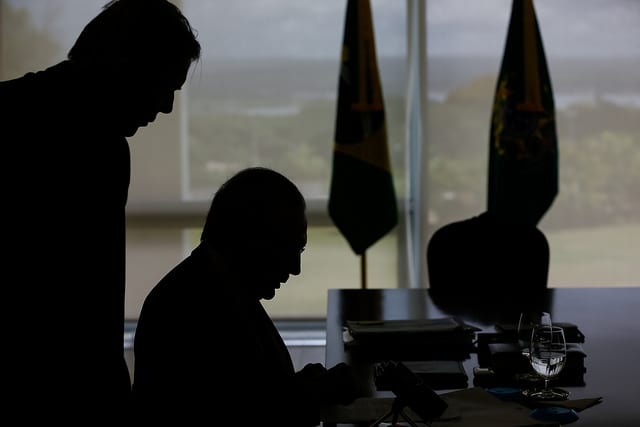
{"x": 362, "y": 199}
{"x": 523, "y": 149}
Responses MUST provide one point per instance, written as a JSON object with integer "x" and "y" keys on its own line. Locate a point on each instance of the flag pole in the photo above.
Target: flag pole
{"x": 363, "y": 270}
{"x": 362, "y": 201}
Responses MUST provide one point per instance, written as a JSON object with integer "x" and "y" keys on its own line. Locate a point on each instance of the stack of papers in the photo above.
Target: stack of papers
{"x": 436, "y": 374}
{"x": 413, "y": 339}
{"x": 469, "y": 407}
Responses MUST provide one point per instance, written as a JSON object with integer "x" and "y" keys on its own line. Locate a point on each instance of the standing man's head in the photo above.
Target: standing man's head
{"x": 143, "y": 50}
{"x": 257, "y": 224}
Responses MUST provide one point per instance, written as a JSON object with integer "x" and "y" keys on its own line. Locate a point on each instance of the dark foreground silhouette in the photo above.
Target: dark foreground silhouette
{"x": 66, "y": 169}
{"x": 205, "y": 348}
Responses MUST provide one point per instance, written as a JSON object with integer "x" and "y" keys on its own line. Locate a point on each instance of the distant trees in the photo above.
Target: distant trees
{"x": 599, "y": 160}
{"x": 599, "y": 155}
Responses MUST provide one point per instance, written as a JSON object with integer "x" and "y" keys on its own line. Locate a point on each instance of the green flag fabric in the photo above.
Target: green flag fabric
{"x": 362, "y": 199}
{"x": 523, "y": 149}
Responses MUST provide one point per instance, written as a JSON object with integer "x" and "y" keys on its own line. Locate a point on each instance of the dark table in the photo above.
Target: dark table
{"x": 608, "y": 317}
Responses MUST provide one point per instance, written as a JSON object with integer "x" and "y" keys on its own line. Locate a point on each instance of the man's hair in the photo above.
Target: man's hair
{"x": 145, "y": 31}
{"x": 247, "y": 204}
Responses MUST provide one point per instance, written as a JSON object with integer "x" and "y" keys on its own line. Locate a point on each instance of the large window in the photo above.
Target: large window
{"x": 264, "y": 93}
{"x": 593, "y": 53}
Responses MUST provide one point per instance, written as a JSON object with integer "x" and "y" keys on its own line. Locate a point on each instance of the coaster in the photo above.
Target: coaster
{"x": 555, "y": 413}
{"x": 506, "y": 393}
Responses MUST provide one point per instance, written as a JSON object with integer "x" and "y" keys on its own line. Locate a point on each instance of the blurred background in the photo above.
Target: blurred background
{"x": 264, "y": 93}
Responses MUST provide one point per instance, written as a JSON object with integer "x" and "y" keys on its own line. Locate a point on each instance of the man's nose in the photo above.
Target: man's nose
{"x": 295, "y": 267}
{"x": 166, "y": 103}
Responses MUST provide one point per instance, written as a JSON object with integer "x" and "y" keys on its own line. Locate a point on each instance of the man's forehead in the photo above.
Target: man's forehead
{"x": 285, "y": 227}
{"x": 170, "y": 74}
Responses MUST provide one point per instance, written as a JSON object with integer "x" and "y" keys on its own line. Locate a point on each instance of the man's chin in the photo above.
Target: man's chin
{"x": 131, "y": 128}
{"x": 268, "y": 294}
{"x": 129, "y": 131}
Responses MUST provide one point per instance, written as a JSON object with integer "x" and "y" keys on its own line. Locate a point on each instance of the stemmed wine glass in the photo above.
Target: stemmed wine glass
{"x": 526, "y": 323}
{"x": 548, "y": 353}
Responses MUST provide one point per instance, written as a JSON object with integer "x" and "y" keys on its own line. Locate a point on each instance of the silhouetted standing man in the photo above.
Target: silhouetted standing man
{"x": 66, "y": 170}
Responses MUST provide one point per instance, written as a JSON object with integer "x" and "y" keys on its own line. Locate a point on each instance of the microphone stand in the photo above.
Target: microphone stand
{"x": 397, "y": 410}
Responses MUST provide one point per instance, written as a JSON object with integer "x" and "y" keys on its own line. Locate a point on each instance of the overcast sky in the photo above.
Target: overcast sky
{"x": 248, "y": 28}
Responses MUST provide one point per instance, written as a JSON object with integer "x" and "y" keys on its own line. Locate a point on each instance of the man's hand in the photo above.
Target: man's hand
{"x": 336, "y": 385}
{"x": 340, "y": 386}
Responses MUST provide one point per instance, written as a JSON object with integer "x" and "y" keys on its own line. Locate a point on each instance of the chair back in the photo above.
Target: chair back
{"x": 488, "y": 269}
{"x": 485, "y": 253}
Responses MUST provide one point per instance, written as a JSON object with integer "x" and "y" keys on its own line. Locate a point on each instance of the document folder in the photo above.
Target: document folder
{"x": 413, "y": 339}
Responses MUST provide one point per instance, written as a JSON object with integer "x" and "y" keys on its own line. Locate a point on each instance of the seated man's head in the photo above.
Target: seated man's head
{"x": 257, "y": 225}
{"x": 143, "y": 50}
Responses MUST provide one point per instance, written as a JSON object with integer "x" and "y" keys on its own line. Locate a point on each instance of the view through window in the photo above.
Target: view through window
{"x": 265, "y": 91}
{"x": 593, "y": 54}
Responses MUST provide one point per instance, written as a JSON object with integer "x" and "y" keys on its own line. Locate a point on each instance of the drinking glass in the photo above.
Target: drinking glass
{"x": 527, "y": 321}
{"x": 547, "y": 354}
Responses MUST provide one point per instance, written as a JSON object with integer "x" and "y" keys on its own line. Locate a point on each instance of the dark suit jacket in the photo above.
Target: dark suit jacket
{"x": 65, "y": 180}
{"x": 206, "y": 350}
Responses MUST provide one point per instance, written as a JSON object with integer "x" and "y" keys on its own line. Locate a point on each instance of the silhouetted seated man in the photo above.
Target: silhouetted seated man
{"x": 205, "y": 348}
{"x": 488, "y": 268}
{"x": 65, "y": 180}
